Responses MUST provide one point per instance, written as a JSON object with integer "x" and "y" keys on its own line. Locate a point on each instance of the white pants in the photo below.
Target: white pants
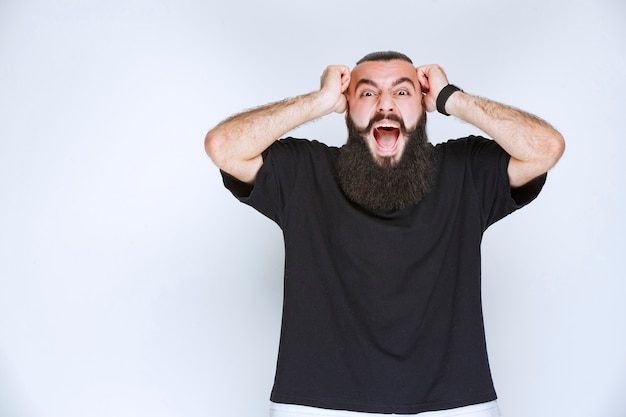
{"x": 489, "y": 409}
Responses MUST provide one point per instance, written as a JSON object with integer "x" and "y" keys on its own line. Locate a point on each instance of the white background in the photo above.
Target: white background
{"x": 133, "y": 284}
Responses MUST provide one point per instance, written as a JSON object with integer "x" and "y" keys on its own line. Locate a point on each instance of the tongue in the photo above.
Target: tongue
{"x": 386, "y": 138}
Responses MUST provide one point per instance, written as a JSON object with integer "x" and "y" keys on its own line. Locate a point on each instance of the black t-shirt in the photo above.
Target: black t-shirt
{"x": 382, "y": 311}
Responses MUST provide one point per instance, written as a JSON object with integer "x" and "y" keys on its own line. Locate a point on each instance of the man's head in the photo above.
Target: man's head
{"x": 387, "y": 163}
{"x": 385, "y": 103}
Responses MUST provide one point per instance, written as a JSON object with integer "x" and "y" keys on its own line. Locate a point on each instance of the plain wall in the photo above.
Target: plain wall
{"x": 133, "y": 284}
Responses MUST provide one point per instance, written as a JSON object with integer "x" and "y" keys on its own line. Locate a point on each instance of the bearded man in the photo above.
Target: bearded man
{"x": 382, "y": 310}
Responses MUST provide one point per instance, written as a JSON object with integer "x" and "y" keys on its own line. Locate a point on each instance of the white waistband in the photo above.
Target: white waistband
{"x": 489, "y": 409}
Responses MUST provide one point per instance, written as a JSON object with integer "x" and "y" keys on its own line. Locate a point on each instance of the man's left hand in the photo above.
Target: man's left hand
{"x": 432, "y": 79}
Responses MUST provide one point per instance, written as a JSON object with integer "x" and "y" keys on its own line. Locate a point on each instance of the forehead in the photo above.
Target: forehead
{"x": 383, "y": 72}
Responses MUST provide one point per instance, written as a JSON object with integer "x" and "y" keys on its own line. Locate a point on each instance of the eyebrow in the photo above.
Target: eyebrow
{"x": 395, "y": 83}
{"x": 404, "y": 80}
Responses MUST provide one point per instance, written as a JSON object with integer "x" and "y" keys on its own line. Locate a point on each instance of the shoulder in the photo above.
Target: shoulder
{"x": 297, "y": 148}
{"x": 300, "y": 143}
{"x": 476, "y": 150}
{"x": 467, "y": 144}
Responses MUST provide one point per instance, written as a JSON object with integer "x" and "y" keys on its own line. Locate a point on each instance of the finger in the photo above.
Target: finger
{"x": 331, "y": 74}
{"x": 345, "y": 82}
{"x": 423, "y": 70}
{"x": 339, "y": 69}
{"x": 422, "y": 78}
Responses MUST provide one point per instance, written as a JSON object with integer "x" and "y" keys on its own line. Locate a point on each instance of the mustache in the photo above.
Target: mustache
{"x": 378, "y": 118}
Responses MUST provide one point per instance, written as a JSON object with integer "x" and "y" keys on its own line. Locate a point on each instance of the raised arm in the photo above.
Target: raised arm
{"x": 236, "y": 144}
{"x": 534, "y": 145}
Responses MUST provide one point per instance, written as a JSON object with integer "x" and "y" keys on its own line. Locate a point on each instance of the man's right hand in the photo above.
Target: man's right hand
{"x": 236, "y": 144}
{"x": 333, "y": 86}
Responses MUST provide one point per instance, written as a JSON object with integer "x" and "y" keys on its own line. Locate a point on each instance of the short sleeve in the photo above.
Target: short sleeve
{"x": 277, "y": 178}
{"x": 489, "y": 163}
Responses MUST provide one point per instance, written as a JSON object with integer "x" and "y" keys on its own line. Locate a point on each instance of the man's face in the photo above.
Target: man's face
{"x": 385, "y": 104}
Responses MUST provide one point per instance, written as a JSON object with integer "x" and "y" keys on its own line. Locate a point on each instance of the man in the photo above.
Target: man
{"x": 382, "y": 310}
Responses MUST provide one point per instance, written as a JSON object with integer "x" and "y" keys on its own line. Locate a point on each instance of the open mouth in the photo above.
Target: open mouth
{"x": 386, "y": 136}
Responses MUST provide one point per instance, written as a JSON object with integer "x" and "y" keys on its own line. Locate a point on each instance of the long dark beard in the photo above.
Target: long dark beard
{"x": 386, "y": 185}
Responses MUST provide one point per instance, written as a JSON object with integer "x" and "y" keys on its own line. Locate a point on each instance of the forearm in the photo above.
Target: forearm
{"x": 533, "y": 144}
{"x": 236, "y": 144}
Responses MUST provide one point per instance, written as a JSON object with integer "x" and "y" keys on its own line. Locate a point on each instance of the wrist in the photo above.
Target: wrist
{"x": 322, "y": 103}
{"x": 443, "y": 96}
{"x": 327, "y": 102}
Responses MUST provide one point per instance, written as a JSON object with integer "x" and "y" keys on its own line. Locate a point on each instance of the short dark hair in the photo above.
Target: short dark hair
{"x": 384, "y": 56}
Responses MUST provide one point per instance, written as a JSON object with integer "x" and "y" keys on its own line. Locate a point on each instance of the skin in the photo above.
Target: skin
{"x": 236, "y": 144}
{"x": 385, "y": 88}
{"x": 390, "y": 87}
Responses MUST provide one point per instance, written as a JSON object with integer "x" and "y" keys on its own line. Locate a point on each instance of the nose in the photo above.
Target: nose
{"x": 385, "y": 103}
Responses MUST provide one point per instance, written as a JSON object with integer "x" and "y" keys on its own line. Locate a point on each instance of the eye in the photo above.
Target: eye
{"x": 367, "y": 93}
{"x": 402, "y": 92}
